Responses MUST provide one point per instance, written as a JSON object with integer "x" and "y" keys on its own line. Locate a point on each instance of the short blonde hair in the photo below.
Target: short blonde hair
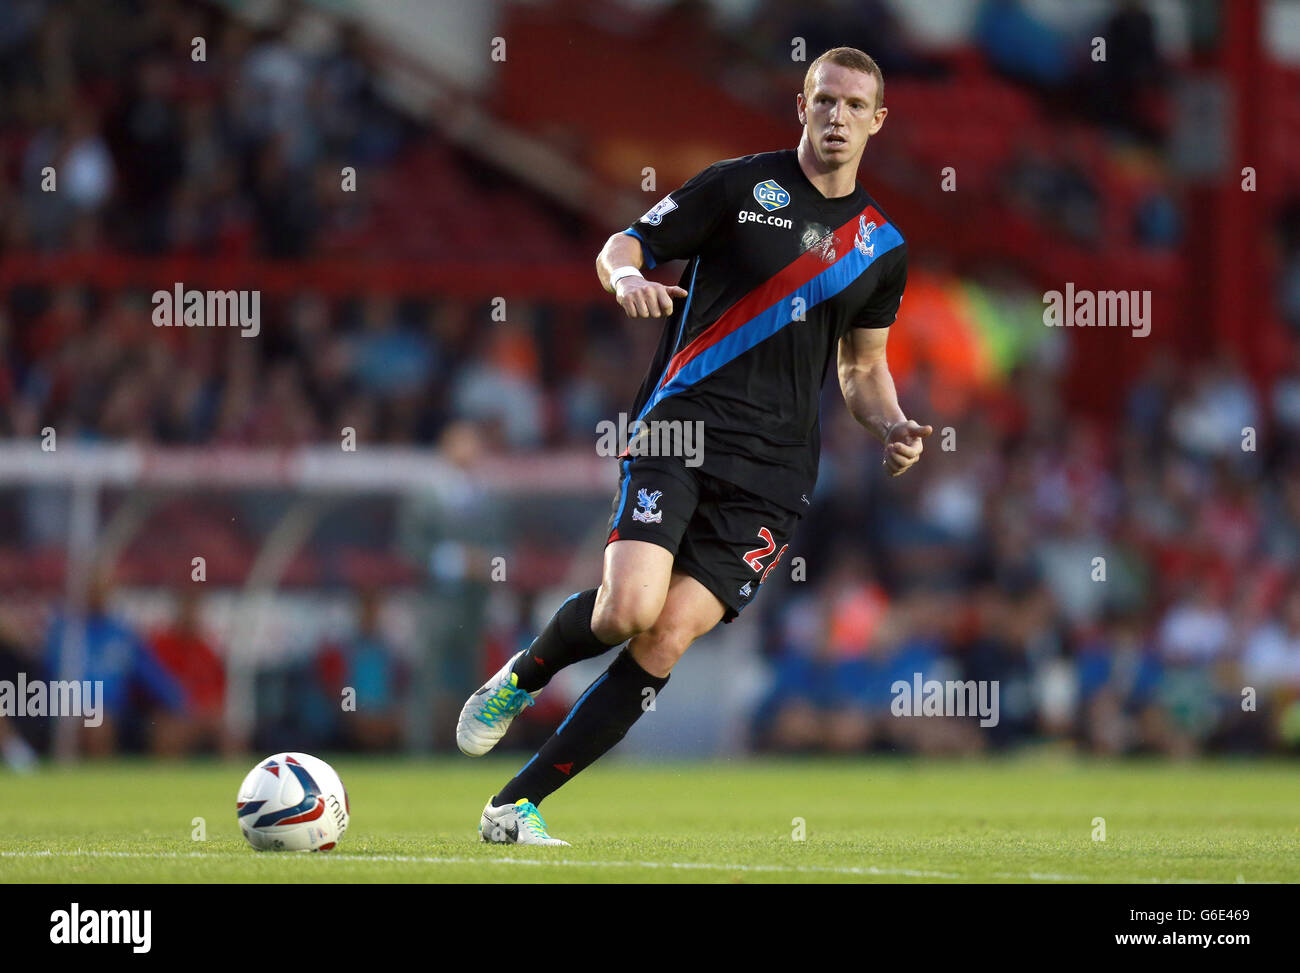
{"x": 854, "y": 60}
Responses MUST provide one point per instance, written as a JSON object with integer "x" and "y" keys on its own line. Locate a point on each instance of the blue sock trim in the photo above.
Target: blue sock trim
{"x": 581, "y": 700}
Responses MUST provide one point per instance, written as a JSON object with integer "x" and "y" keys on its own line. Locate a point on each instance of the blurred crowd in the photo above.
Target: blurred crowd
{"x": 1131, "y": 588}
{"x": 164, "y": 686}
{"x": 396, "y": 371}
{"x": 1053, "y": 57}
{"x": 160, "y": 145}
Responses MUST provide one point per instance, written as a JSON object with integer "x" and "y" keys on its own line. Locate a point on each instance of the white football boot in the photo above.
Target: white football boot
{"x": 487, "y": 714}
{"x": 515, "y": 824}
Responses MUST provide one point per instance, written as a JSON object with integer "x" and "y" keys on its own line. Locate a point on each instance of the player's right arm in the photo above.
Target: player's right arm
{"x": 678, "y": 227}
{"x": 639, "y": 297}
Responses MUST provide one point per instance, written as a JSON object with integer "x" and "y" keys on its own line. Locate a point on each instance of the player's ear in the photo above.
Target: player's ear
{"x": 801, "y": 108}
{"x": 878, "y": 121}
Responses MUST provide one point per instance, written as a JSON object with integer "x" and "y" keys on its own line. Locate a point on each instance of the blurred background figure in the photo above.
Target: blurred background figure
{"x": 18, "y": 754}
{"x": 16, "y": 749}
{"x": 369, "y": 668}
{"x": 828, "y": 674}
{"x": 142, "y": 700}
{"x": 1270, "y": 664}
{"x": 189, "y": 658}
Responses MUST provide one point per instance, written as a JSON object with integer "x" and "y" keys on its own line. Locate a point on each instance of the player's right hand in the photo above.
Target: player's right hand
{"x": 642, "y": 298}
{"x": 905, "y": 443}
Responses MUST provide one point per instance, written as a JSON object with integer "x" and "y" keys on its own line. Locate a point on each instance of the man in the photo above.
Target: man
{"x": 186, "y": 654}
{"x": 115, "y": 656}
{"x": 790, "y": 262}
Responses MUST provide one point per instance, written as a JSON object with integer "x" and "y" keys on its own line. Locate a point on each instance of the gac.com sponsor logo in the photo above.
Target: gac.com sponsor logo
{"x": 771, "y": 196}
{"x": 749, "y": 216}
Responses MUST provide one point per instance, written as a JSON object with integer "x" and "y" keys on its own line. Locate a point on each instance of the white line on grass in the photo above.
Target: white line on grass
{"x": 562, "y": 862}
{"x": 570, "y": 863}
{"x": 1043, "y": 877}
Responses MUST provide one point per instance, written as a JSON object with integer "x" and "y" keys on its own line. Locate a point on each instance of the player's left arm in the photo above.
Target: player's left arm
{"x": 870, "y": 395}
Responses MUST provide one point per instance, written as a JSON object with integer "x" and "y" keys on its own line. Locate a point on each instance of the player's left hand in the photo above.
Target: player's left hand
{"x": 905, "y": 445}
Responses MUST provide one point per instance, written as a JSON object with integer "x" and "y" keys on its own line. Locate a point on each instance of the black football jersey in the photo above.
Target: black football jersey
{"x": 777, "y": 275}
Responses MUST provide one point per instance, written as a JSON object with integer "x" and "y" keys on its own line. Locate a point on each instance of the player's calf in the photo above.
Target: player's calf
{"x": 569, "y": 637}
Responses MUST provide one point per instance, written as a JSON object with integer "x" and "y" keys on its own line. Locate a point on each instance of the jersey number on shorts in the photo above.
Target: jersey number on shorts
{"x": 755, "y": 557}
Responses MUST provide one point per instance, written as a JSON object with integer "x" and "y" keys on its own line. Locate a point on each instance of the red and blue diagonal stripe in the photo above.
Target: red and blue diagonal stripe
{"x": 768, "y": 308}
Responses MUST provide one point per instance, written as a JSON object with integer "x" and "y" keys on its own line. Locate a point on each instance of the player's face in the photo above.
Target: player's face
{"x": 840, "y": 114}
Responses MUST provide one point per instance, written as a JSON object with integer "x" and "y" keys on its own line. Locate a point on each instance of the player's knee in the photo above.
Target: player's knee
{"x": 661, "y": 648}
{"x": 619, "y": 615}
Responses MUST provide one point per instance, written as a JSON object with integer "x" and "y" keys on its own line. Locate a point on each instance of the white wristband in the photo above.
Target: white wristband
{"x": 620, "y": 273}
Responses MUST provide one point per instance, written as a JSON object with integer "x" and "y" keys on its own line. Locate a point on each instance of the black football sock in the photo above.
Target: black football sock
{"x": 599, "y": 719}
{"x": 566, "y": 639}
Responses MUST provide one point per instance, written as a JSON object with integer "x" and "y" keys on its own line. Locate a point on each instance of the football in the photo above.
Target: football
{"x": 292, "y": 802}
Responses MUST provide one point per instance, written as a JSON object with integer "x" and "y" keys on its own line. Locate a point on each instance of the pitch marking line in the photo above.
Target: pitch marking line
{"x": 570, "y": 863}
{"x": 435, "y": 860}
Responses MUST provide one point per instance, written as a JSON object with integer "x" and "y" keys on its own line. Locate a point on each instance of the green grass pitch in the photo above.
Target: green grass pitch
{"x": 866, "y": 820}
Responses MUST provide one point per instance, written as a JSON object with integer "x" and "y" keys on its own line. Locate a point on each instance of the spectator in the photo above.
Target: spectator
{"x": 822, "y": 677}
{"x": 1270, "y": 664}
{"x": 1020, "y": 45}
{"x": 114, "y": 655}
{"x": 371, "y": 670}
{"x": 18, "y": 736}
{"x": 1192, "y": 638}
{"x": 1119, "y": 674}
{"x": 1133, "y": 70}
{"x": 189, "y": 657}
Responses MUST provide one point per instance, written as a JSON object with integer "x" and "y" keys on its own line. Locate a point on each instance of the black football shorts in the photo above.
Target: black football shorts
{"x": 726, "y": 538}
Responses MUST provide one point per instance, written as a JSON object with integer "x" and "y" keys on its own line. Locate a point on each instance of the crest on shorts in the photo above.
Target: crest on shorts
{"x": 747, "y": 589}
{"x": 645, "y": 511}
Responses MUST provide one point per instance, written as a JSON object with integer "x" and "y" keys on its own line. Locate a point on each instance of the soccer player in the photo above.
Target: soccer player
{"x": 791, "y": 264}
